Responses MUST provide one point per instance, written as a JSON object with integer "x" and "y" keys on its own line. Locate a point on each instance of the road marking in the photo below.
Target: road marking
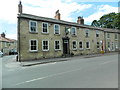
{"x": 47, "y": 76}
{"x": 106, "y": 62}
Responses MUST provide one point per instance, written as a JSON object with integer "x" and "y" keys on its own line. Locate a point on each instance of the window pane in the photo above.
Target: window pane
{"x": 44, "y": 27}
{"x": 80, "y": 44}
{"x": 87, "y": 44}
{"x": 33, "y": 45}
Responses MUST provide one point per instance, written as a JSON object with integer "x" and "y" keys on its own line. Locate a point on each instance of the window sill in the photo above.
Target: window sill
{"x": 57, "y": 34}
{"x": 74, "y": 35}
{"x": 74, "y": 49}
{"x": 33, "y": 51}
{"x": 57, "y": 49}
{"x": 45, "y": 50}
{"x": 33, "y": 32}
{"x": 81, "y": 49}
{"x": 45, "y": 33}
{"x": 87, "y": 48}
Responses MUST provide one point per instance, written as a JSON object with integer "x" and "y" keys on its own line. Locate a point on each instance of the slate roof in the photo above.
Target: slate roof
{"x": 6, "y": 39}
{"x": 39, "y": 18}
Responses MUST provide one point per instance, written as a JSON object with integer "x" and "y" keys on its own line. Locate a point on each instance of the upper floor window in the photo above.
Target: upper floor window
{"x": 57, "y": 45}
{"x": 73, "y": 31}
{"x": 32, "y": 26}
{"x": 45, "y": 45}
{"x": 45, "y": 28}
{"x": 74, "y": 45}
{"x": 87, "y": 45}
{"x": 86, "y": 33}
{"x": 116, "y": 36}
{"x": 56, "y": 29}
{"x": 108, "y": 35}
{"x": 97, "y": 33}
{"x": 33, "y": 45}
{"x": 81, "y": 45}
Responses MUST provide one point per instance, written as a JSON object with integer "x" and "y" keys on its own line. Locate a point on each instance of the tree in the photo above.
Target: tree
{"x": 111, "y": 20}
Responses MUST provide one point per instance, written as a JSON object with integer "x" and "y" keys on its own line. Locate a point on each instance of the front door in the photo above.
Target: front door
{"x": 65, "y": 46}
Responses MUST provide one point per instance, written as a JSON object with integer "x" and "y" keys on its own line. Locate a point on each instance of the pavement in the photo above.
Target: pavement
{"x": 43, "y": 61}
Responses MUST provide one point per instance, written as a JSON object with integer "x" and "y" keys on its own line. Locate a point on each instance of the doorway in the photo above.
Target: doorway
{"x": 66, "y": 46}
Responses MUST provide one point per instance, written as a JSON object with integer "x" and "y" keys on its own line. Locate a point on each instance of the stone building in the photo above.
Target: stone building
{"x": 42, "y": 37}
{"x": 7, "y": 44}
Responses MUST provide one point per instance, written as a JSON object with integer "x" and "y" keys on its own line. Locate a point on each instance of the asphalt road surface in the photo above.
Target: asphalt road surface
{"x": 96, "y": 72}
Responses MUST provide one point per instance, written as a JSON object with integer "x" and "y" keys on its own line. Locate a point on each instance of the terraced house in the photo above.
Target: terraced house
{"x": 7, "y": 44}
{"x": 41, "y": 37}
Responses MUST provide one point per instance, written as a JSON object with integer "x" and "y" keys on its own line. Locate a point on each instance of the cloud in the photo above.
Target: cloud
{"x": 12, "y": 36}
{"x": 47, "y": 8}
{"x": 8, "y": 10}
{"x": 102, "y": 10}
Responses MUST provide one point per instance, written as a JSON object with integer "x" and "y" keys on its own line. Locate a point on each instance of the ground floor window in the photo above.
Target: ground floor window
{"x": 57, "y": 45}
{"x": 116, "y": 45}
{"x": 33, "y": 45}
{"x": 98, "y": 45}
{"x": 81, "y": 45}
{"x": 45, "y": 45}
{"x": 108, "y": 44}
{"x": 74, "y": 45}
{"x": 87, "y": 45}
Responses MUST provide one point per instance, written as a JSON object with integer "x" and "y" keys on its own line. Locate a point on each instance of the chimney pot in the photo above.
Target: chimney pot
{"x": 80, "y": 20}
{"x": 3, "y": 35}
{"x": 57, "y": 15}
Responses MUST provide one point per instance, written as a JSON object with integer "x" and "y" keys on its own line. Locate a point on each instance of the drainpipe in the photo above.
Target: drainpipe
{"x": 18, "y": 36}
{"x": 105, "y": 41}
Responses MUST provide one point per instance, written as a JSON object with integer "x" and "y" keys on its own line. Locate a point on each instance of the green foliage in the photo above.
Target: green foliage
{"x": 111, "y": 20}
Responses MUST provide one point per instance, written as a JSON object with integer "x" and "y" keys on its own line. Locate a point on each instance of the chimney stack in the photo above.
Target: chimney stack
{"x": 20, "y": 7}
{"x": 80, "y": 20}
{"x": 3, "y": 35}
{"x": 57, "y": 15}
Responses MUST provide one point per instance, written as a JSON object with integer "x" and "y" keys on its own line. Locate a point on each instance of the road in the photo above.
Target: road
{"x": 96, "y": 72}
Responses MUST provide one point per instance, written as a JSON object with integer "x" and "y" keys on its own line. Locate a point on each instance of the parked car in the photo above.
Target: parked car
{"x": 1, "y": 54}
{"x": 13, "y": 52}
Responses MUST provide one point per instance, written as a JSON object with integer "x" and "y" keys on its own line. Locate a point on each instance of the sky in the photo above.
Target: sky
{"x": 69, "y": 9}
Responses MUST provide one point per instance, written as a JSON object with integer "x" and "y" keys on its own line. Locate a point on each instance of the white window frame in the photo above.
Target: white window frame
{"x": 73, "y": 34}
{"x": 36, "y": 45}
{"x": 55, "y": 30}
{"x": 30, "y": 26}
{"x": 47, "y": 28}
{"x": 89, "y": 45}
{"x": 42, "y": 45}
{"x": 59, "y": 45}
{"x": 79, "y": 45}
{"x": 76, "y": 45}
